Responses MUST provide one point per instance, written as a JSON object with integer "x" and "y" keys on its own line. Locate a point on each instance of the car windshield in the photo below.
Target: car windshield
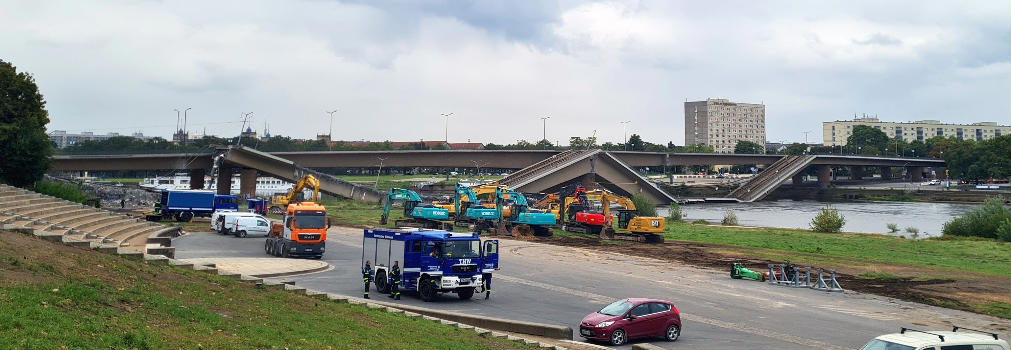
{"x": 461, "y": 249}
{"x": 310, "y": 220}
{"x": 617, "y": 308}
{"x": 878, "y": 344}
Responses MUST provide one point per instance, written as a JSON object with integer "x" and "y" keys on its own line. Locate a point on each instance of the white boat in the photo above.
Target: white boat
{"x": 265, "y": 186}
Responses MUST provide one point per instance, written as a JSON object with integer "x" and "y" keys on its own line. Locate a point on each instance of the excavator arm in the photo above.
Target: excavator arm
{"x": 283, "y": 200}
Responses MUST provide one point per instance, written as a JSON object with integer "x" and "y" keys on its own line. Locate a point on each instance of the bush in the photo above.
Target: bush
{"x": 70, "y": 192}
{"x": 675, "y": 215}
{"x": 912, "y": 230}
{"x": 730, "y": 219}
{"x": 991, "y": 220}
{"x": 700, "y": 222}
{"x": 892, "y": 228}
{"x": 828, "y": 221}
{"x": 643, "y": 206}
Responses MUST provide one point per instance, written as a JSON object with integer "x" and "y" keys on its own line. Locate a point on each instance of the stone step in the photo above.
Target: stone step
{"x": 79, "y": 219}
{"x": 80, "y": 210}
{"x": 45, "y": 209}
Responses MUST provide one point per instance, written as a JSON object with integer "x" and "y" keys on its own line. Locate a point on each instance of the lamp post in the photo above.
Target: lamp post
{"x": 186, "y": 130}
{"x": 330, "y": 134}
{"x": 624, "y": 130}
{"x": 178, "y": 119}
{"x": 544, "y": 128}
{"x": 446, "y": 137}
{"x": 380, "y": 171}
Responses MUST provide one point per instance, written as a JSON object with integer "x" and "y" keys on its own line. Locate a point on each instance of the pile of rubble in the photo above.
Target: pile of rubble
{"x": 112, "y": 194}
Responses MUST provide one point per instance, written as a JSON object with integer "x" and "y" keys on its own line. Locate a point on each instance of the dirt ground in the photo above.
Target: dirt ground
{"x": 933, "y": 286}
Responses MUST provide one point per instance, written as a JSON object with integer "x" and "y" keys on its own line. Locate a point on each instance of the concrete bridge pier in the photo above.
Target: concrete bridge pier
{"x": 915, "y": 173}
{"x": 886, "y": 173}
{"x": 824, "y": 175}
{"x": 224, "y": 180}
{"x": 799, "y": 178}
{"x": 247, "y": 182}
{"x": 197, "y": 179}
{"x": 856, "y": 172}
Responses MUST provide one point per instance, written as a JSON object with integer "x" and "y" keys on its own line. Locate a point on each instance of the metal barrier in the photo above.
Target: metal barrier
{"x": 790, "y": 276}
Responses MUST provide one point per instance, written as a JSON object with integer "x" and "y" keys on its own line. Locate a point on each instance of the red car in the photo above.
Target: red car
{"x": 632, "y": 318}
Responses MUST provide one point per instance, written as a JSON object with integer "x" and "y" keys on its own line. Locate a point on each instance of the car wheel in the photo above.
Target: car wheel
{"x": 673, "y": 332}
{"x": 240, "y": 234}
{"x": 618, "y": 337}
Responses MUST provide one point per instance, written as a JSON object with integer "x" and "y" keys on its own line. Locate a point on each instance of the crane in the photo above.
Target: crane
{"x": 279, "y": 202}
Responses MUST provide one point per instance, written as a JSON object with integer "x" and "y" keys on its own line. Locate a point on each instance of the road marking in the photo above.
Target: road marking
{"x": 868, "y": 314}
{"x": 694, "y": 318}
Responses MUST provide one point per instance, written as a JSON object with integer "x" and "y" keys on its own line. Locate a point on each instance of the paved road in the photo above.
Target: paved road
{"x": 560, "y": 285}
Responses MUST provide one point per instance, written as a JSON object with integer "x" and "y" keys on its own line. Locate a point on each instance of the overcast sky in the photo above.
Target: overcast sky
{"x": 392, "y": 67}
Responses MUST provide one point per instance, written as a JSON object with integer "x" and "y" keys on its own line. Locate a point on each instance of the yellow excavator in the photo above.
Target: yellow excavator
{"x": 279, "y": 203}
{"x": 648, "y": 229}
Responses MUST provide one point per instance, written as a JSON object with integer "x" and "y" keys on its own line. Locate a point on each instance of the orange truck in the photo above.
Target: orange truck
{"x": 301, "y": 234}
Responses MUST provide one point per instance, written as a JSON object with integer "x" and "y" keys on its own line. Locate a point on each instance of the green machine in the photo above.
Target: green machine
{"x": 738, "y": 271}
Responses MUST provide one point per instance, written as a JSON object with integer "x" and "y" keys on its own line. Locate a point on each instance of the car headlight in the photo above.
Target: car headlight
{"x": 605, "y": 324}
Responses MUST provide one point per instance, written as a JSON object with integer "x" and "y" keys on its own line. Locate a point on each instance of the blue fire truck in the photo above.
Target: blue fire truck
{"x": 431, "y": 261}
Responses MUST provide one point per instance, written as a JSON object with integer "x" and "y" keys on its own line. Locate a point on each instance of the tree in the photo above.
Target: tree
{"x": 864, "y": 136}
{"x": 795, "y": 149}
{"x": 696, "y": 148}
{"x": 544, "y": 144}
{"x": 24, "y": 146}
{"x": 635, "y": 143}
{"x": 748, "y": 147}
{"x": 577, "y": 142}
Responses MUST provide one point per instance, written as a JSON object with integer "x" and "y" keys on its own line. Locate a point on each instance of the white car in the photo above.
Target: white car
{"x": 912, "y": 339}
{"x": 250, "y": 225}
{"x": 221, "y": 222}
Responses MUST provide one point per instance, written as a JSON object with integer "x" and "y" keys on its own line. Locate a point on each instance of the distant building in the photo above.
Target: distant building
{"x": 180, "y": 136}
{"x": 248, "y": 133}
{"x": 61, "y": 139}
{"x": 836, "y": 133}
{"x": 721, "y": 124}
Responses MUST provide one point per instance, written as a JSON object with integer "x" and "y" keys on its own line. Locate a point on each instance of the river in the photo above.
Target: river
{"x": 861, "y": 217}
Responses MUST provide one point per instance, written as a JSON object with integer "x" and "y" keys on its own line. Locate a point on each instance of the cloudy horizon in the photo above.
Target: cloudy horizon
{"x": 392, "y": 68}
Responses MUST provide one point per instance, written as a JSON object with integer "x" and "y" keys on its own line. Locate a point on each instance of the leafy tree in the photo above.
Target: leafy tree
{"x": 864, "y": 136}
{"x": 577, "y": 142}
{"x": 24, "y": 146}
{"x": 635, "y": 143}
{"x": 544, "y": 144}
{"x": 696, "y": 148}
{"x": 748, "y": 147}
{"x": 828, "y": 220}
{"x": 795, "y": 149}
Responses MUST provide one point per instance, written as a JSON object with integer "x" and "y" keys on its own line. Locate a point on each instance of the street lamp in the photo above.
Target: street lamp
{"x": 446, "y": 137}
{"x": 544, "y": 126}
{"x": 380, "y": 171}
{"x": 624, "y": 130}
{"x": 186, "y": 130}
{"x": 330, "y": 134}
{"x": 178, "y": 119}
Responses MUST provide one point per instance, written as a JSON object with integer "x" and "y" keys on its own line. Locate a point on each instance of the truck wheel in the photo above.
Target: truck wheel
{"x": 266, "y": 247}
{"x": 465, "y": 294}
{"x": 185, "y": 217}
{"x": 284, "y": 250}
{"x": 240, "y": 234}
{"x": 382, "y": 285}
{"x": 427, "y": 290}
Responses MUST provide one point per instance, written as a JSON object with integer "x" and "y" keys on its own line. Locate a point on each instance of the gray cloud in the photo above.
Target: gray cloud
{"x": 879, "y": 39}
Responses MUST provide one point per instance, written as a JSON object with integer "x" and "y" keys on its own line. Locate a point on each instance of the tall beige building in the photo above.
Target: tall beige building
{"x": 835, "y": 133}
{"x": 721, "y": 124}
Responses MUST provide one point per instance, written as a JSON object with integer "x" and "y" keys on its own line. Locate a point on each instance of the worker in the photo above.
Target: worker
{"x": 367, "y": 276}
{"x": 122, "y": 203}
{"x": 486, "y": 277}
{"x": 395, "y": 280}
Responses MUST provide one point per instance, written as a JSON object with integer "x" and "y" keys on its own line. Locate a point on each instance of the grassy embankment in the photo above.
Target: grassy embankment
{"x": 58, "y": 297}
{"x": 123, "y": 180}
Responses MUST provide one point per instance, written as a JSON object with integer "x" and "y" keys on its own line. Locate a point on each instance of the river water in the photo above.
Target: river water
{"x": 861, "y": 217}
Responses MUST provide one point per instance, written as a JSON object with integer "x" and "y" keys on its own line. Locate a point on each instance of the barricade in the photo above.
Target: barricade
{"x": 791, "y": 276}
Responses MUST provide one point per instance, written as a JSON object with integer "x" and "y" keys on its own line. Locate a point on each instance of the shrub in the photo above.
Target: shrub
{"x": 912, "y": 230}
{"x": 700, "y": 222}
{"x": 828, "y": 221}
{"x": 730, "y": 219}
{"x": 70, "y": 192}
{"x": 991, "y": 220}
{"x": 675, "y": 214}
{"x": 643, "y": 206}
{"x": 892, "y": 228}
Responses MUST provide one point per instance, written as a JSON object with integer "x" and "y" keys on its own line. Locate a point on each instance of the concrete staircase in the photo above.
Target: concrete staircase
{"x": 59, "y": 220}
{"x": 771, "y": 178}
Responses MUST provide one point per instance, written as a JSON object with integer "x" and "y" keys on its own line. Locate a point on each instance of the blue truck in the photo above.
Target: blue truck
{"x": 184, "y": 205}
{"x": 431, "y": 261}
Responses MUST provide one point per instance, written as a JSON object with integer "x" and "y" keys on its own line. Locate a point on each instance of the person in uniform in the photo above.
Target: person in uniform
{"x": 395, "y": 280}
{"x": 486, "y": 278}
{"x": 367, "y": 276}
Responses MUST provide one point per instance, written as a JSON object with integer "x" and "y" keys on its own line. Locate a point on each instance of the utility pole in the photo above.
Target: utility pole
{"x": 245, "y": 118}
{"x": 330, "y": 134}
{"x": 380, "y": 171}
{"x": 186, "y": 130}
{"x": 544, "y": 130}
{"x": 177, "y": 120}
{"x": 624, "y": 129}
{"x": 446, "y": 137}
{"x": 805, "y": 136}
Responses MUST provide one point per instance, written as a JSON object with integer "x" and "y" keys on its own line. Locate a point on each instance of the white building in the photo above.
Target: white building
{"x": 836, "y": 133}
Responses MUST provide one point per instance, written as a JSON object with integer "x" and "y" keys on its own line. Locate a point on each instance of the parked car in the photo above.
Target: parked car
{"x": 222, "y": 221}
{"x": 250, "y": 225}
{"x": 632, "y": 318}
{"x": 958, "y": 339}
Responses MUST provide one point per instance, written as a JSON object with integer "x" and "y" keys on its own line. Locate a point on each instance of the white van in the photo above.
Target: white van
{"x": 250, "y": 225}
{"x": 912, "y": 339}
{"x": 222, "y": 223}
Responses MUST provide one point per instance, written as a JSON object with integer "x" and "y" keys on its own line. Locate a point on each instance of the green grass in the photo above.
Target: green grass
{"x": 62, "y": 297}
{"x": 123, "y": 180}
{"x": 71, "y": 192}
{"x": 983, "y": 256}
{"x": 877, "y": 276}
{"x": 994, "y": 308}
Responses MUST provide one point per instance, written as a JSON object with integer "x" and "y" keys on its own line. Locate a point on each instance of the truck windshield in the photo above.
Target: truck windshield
{"x": 878, "y": 344}
{"x": 461, "y": 249}
{"x": 310, "y": 219}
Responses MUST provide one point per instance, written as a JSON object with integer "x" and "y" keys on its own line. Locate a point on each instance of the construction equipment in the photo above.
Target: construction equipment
{"x": 469, "y": 212}
{"x": 738, "y": 271}
{"x": 279, "y": 202}
{"x": 577, "y": 214}
{"x": 549, "y": 204}
{"x": 648, "y": 229}
{"x": 416, "y": 214}
{"x": 301, "y": 234}
{"x": 520, "y": 219}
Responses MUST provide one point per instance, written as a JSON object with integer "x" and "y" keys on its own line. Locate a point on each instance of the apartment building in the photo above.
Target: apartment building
{"x": 61, "y": 139}
{"x": 836, "y": 133}
{"x": 721, "y": 123}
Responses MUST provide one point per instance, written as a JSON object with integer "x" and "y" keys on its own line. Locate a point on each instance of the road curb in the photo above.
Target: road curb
{"x": 646, "y": 346}
{"x": 500, "y": 324}
{"x": 293, "y": 273}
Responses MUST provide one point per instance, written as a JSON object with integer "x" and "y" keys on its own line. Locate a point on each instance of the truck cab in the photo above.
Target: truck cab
{"x": 302, "y": 233}
{"x": 432, "y": 261}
